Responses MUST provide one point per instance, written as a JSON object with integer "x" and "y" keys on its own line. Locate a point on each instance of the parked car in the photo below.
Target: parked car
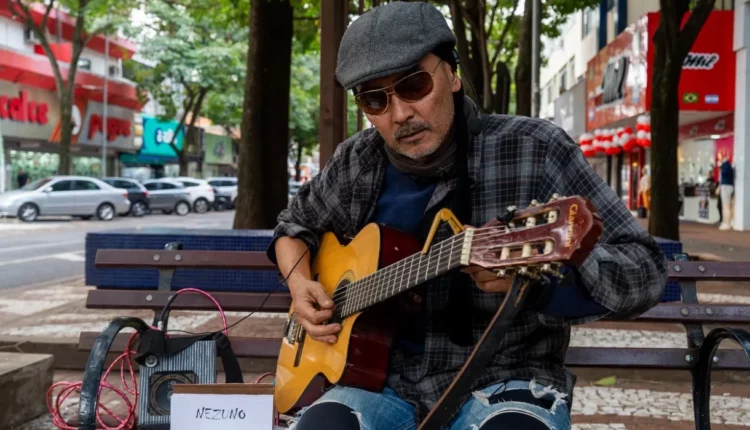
{"x": 65, "y": 195}
{"x": 137, "y": 194}
{"x": 201, "y": 193}
{"x": 225, "y": 192}
{"x": 168, "y": 196}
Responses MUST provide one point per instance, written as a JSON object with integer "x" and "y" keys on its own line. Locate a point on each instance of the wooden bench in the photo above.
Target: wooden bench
{"x": 699, "y": 356}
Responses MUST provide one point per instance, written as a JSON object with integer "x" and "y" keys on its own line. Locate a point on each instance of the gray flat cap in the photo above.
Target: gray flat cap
{"x": 389, "y": 39}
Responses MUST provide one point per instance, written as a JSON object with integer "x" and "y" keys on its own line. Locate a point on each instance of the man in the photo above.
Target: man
{"x": 726, "y": 190}
{"x": 22, "y": 178}
{"x": 429, "y": 149}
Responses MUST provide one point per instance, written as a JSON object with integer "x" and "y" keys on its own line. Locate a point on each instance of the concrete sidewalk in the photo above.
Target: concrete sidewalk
{"x": 708, "y": 239}
{"x": 49, "y": 318}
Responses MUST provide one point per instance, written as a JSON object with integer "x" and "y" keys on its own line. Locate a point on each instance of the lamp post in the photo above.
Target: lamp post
{"x": 104, "y": 110}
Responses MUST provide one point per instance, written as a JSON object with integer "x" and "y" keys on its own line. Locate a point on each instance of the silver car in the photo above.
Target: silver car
{"x": 65, "y": 195}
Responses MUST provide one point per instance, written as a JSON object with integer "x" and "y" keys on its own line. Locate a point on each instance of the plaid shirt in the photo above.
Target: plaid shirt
{"x": 515, "y": 160}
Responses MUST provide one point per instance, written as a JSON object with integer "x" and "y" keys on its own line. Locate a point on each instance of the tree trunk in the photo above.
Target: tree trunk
{"x": 66, "y": 129}
{"x": 191, "y": 138}
{"x": 665, "y": 112}
{"x": 298, "y": 163}
{"x": 501, "y": 98}
{"x": 672, "y": 42}
{"x": 264, "y": 151}
{"x": 523, "y": 69}
{"x": 462, "y": 45}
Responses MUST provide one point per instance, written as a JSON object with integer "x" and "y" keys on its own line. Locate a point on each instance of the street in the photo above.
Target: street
{"x": 47, "y": 250}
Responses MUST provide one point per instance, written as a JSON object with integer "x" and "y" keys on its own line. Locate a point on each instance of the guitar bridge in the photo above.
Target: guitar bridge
{"x": 292, "y": 330}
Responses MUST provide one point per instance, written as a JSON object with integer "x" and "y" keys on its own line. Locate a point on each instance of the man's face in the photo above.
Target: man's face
{"x": 416, "y": 129}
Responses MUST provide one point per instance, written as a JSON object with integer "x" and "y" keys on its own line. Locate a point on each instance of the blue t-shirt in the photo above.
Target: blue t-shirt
{"x": 727, "y": 174}
{"x": 401, "y": 205}
{"x": 403, "y": 200}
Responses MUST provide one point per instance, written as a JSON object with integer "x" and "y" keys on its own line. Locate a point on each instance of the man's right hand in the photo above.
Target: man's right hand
{"x": 313, "y": 308}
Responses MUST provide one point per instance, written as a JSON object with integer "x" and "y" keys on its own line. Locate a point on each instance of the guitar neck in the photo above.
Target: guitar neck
{"x": 405, "y": 274}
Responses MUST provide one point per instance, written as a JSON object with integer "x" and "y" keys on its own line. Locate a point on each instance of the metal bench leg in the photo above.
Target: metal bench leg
{"x": 92, "y": 376}
{"x": 702, "y": 371}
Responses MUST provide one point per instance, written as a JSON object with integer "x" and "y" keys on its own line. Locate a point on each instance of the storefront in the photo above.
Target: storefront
{"x": 155, "y": 157}
{"x": 570, "y": 115}
{"x": 30, "y": 120}
{"x": 618, "y": 101}
{"x": 218, "y": 156}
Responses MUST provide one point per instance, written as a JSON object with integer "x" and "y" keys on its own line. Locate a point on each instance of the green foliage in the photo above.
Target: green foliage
{"x": 304, "y": 97}
{"x": 187, "y": 52}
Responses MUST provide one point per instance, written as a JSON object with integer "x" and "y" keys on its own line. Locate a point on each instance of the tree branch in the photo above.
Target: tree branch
{"x": 504, "y": 33}
{"x": 693, "y": 26}
{"x": 42, "y": 35}
{"x": 47, "y": 11}
{"x": 492, "y": 17}
{"x": 306, "y": 18}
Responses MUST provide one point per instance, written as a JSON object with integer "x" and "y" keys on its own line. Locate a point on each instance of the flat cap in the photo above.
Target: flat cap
{"x": 390, "y": 39}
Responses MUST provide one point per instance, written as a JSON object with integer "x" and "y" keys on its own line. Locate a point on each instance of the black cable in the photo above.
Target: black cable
{"x": 260, "y": 308}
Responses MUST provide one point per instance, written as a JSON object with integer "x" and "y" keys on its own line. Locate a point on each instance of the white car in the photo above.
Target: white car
{"x": 201, "y": 193}
{"x": 77, "y": 196}
{"x": 226, "y": 187}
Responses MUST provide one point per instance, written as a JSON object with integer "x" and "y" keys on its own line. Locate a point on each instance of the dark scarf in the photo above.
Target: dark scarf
{"x": 457, "y": 317}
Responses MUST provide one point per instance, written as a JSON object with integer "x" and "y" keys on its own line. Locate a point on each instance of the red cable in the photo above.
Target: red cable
{"x": 210, "y": 297}
{"x": 68, "y": 388}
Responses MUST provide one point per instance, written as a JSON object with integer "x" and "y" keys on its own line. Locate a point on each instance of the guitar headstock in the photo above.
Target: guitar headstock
{"x": 539, "y": 238}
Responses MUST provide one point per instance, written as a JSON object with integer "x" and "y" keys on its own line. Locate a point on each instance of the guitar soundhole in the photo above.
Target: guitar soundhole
{"x": 339, "y": 299}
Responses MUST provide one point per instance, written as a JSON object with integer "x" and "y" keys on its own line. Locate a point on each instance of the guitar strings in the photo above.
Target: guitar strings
{"x": 361, "y": 292}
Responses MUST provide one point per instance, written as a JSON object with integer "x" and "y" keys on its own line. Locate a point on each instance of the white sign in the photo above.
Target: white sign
{"x": 221, "y": 412}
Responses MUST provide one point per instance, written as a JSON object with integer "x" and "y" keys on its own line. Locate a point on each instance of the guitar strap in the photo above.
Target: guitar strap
{"x": 455, "y": 395}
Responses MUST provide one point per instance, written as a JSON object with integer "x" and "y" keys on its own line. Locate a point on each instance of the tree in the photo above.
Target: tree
{"x": 263, "y": 178}
{"x": 92, "y": 18}
{"x": 492, "y": 38}
{"x": 672, "y": 42}
{"x": 193, "y": 54}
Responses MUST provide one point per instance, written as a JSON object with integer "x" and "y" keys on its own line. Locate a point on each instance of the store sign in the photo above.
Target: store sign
{"x": 616, "y": 83}
{"x": 90, "y": 128}
{"x": 26, "y": 112}
{"x": 116, "y": 127}
{"x": 613, "y": 84}
{"x": 695, "y": 61}
{"x": 707, "y": 80}
{"x": 21, "y": 109}
{"x": 217, "y": 149}
{"x": 157, "y": 135}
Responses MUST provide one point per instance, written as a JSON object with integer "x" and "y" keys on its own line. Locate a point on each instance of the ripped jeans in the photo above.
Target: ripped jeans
{"x": 512, "y": 404}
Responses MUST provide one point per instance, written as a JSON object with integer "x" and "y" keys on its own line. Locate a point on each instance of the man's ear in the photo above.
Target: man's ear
{"x": 455, "y": 82}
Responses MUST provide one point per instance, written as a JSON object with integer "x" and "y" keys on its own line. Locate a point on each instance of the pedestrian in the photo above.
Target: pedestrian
{"x": 644, "y": 189}
{"x": 726, "y": 188}
{"x": 22, "y": 178}
{"x": 429, "y": 149}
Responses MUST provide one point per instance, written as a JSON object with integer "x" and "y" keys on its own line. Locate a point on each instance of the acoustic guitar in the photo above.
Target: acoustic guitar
{"x": 381, "y": 263}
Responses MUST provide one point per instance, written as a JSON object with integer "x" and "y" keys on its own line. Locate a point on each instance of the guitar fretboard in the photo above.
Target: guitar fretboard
{"x": 401, "y": 276}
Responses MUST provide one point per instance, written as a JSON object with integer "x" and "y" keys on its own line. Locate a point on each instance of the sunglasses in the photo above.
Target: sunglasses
{"x": 411, "y": 88}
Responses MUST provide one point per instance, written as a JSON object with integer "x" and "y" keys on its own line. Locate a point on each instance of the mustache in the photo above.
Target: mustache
{"x": 410, "y": 128}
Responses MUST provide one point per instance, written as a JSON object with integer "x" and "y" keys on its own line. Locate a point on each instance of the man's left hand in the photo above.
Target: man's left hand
{"x": 487, "y": 281}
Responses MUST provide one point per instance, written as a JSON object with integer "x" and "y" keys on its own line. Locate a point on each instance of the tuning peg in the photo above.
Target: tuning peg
{"x": 534, "y": 203}
{"x": 523, "y": 270}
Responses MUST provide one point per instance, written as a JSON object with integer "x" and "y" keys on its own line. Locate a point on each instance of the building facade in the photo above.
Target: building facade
{"x": 30, "y": 110}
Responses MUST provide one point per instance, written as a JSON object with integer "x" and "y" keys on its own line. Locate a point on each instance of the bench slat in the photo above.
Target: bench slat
{"x": 280, "y": 302}
{"x": 240, "y": 302}
{"x": 712, "y": 270}
{"x": 661, "y": 358}
{"x": 160, "y": 259}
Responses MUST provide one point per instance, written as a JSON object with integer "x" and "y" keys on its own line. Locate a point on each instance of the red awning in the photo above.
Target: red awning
{"x": 35, "y": 71}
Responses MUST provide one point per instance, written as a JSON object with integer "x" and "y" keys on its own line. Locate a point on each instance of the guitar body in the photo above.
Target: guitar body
{"x": 359, "y": 358}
